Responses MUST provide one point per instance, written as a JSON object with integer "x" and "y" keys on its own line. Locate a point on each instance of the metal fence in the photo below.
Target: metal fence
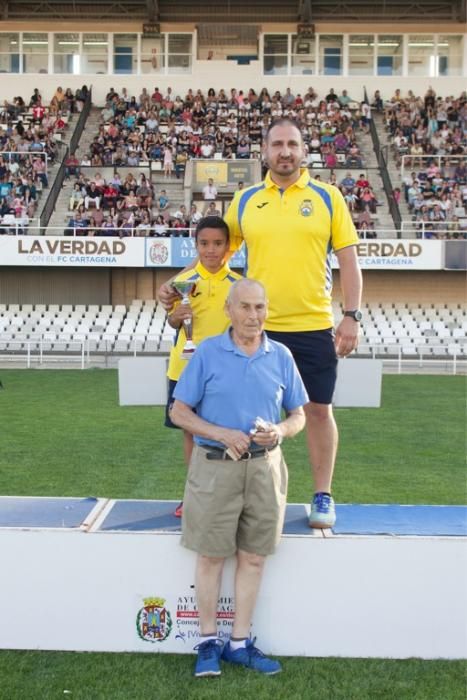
{"x": 56, "y": 188}
{"x": 379, "y": 151}
{"x": 23, "y": 157}
{"x": 35, "y": 229}
{"x": 38, "y": 351}
{"x": 442, "y": 161}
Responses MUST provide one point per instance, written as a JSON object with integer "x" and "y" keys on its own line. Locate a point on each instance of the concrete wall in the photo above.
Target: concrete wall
{"x": 222, "y": 74}
{"x": 122, "y": 285}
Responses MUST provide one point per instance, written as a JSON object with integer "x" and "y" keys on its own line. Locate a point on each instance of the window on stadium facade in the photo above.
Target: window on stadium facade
{"x": 331, "y": 54}
{"x": 449, "y": 54}
{"x": 421, "y": 54}
{"x": 179, "y": 53}
{"x": 275, "y": 54}
{"x": 95, "y": 54}
{"x": 153, "y": 59}
{"x": 35, "y": 52}
{"x": 9, "y": 52}
{"x": 389, "y": 54}
{"x": 125, "y": 54}
{"x": 100, "y": 53}
{"x": 67, "y": 53}
{"x": 82, "y": 53}
{"x": 361, "y": 54}
{"x": 303, "y": 55}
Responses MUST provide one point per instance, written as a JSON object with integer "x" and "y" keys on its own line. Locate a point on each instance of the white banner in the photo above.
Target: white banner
{"x": 385, "y": 254}
{"x": 67, "y": 251}
{"x": 400, "y": 254}
{"x": 137, "y": 595}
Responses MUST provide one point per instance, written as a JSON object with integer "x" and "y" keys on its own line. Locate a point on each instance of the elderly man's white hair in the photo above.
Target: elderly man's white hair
{"x": 244, "y": 282}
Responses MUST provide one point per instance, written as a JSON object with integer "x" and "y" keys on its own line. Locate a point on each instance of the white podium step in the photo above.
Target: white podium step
{"x": 103, "y": 575}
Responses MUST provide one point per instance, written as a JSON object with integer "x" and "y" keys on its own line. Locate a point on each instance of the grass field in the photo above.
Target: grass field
{"x": 63, "y": 434}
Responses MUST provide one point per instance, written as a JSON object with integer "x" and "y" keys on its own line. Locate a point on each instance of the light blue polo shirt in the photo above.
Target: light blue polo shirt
{"x": 230, "y": 389}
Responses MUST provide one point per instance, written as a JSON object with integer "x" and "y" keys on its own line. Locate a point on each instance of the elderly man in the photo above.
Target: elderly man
{"x": 235, "y": 495}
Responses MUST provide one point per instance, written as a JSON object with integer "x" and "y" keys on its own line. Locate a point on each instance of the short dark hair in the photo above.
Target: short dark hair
{"x": 282, "y": 121}
{"x": 212, "y": 222}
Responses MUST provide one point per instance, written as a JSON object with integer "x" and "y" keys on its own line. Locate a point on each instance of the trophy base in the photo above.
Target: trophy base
{"x": 188, "y": 351}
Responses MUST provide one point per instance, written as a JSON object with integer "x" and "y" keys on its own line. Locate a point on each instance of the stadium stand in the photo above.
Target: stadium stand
{"x": 30, "y": 137}
{"x": 427, "y": 138}
{"x": 138, "y": 133}
{"x": 411, "y": 330}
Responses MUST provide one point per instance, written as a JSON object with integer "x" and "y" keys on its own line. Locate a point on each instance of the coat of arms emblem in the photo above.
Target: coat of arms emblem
{"x": 158, "y": 253}
{"x": 306, "y": 207}
{"x": 153, "y": 621}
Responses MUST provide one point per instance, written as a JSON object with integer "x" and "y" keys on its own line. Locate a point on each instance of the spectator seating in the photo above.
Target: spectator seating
{"x": 162, "y": 133}
{"x": 436, "y": 331}
{"x": 160, "y": 129}
{"x": 428, "y": 136}
{"x": 28, "y": 147}
{"x": 103, "y": 329}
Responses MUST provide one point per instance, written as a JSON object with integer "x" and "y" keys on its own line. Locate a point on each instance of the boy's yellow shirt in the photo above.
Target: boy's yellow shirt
{"x": 207, "y": 302}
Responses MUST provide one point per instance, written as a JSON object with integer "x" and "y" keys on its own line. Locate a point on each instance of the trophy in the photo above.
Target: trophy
{"x": 184, "y": 288}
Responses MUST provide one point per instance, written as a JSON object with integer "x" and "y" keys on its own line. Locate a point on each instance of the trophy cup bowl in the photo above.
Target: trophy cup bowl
{"x": 184, "y": 288}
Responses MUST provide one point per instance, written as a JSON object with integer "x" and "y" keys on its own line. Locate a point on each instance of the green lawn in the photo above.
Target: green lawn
{"x": 63, "y": 434}
{"x": 45, "y": 675}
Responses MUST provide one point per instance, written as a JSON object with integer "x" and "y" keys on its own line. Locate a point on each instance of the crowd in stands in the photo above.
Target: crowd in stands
{"x": 430, "y": 133}
{"x": 128, "y": 206}
{"x": 170, "y": 129}
{"x": 27, "y": 149}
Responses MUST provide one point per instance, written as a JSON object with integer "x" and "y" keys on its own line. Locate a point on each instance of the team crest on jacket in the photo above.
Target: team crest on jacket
{"x": 154, "y": 621}
{"x": 306, "y": 207}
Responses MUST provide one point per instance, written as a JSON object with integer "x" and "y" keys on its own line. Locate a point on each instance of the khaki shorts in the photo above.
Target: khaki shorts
{"x": 234, "y": 505}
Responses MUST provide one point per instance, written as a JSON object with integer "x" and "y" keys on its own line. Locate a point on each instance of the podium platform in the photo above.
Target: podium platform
{"x": 97, "y": 574}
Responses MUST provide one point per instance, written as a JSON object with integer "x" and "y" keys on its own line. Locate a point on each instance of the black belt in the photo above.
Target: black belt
{"x": 219, "y": 453}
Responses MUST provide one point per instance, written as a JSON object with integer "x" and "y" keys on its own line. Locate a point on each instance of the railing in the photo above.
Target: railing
{"x": 22, "y": 156}
{"x": 409, "y": 229}
{"x": 37, "y": 350}
{"x": 380, "y": 351}
{"x": 443, "y": 161}
{"x": 434, "y": 229}
{"x": 18, "y": 227}
{"x": 32, "y": 345}
{"x": 91, "y": 232}
{"x": 56, "y": 188}
{"x": 388, "y": 188}
{"x": 75, "y": 137}
{"x": 169, "y": 232}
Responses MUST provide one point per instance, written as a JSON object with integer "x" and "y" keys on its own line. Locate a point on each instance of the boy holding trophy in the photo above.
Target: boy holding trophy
{"x": 200, "y": 312}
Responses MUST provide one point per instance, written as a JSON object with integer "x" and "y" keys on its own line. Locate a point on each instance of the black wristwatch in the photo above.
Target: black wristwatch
{"x": 356, "y": 315}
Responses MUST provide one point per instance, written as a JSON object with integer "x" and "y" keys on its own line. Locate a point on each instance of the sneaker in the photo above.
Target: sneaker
{"x": 251, "y": 657}
{"x": 178, "y": 512}
{"x": 209, "y": 654}
{"x": 323, "y": 511}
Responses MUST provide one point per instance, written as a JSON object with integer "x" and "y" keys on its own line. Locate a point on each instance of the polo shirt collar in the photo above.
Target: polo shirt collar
{"x": 302, "y": 181}
{"x": 206, "y": 275}
{"x": 228, "y": 344}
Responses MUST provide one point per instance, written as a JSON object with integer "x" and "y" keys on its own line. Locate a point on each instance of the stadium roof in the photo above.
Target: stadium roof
{"x": 243, "y": 11}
